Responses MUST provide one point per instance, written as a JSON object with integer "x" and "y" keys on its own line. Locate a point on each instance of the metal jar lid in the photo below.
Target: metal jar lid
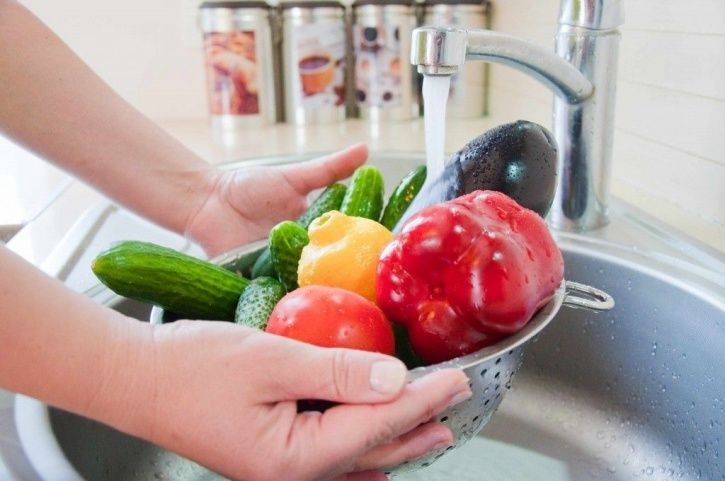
{"x": 311, "y": 4}
{"x": 431, "y": 3}
{"x": 235, "y": 5}
{"x": 382, "y": 3}
{"x": 319, "y": 8}
{"x": 231, "y": 16}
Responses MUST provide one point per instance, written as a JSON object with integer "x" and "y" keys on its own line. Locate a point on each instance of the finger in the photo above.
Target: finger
{"x": 314, "y": 174}
{"x": 351, "y": 431}
{"x": 303, "y": 371}
{"x": 414, "y": 444}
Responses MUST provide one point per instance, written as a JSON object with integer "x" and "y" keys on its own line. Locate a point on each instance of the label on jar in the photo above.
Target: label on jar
{"x": 232, "y": 73}
{"x": 321, "y": 64}
{"x": 378, "y": 76}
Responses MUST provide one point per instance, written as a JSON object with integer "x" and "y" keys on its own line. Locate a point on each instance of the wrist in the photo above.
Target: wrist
{"x": 206, "y": 200}
{"x": 124, "y": 394}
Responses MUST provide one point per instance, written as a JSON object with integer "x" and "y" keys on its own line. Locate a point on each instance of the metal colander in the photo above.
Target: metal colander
{"x": 490, "y": 370}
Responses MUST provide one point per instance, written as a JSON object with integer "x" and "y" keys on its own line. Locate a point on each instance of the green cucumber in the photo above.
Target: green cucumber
{"x": 403, "y": 196}
{"x": 257, "y": 302}
{"x": 244, "y": 264}
{"x": 263, "y": 265}
{"x": 364, "y": 197}
{"x": 330, "y": 199}
{"x": 189, "y": 287}
{"x": 286, "y": 241}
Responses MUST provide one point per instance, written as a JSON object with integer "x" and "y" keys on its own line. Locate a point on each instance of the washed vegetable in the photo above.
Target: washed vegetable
{"x": 464, "y": 273}
{"x": 189, "y": 287}
{"x": 329, "y": 199}
{"x": 403, "y": 196}
{"x": 257, "y": 302}
{"x": 286, "y": 241}
{"x": 518, "y": 159}
{"x": 364, "y": 197}
{"x": 332, "y": 317}
{"x": 243, "y": 264}
{"x": 343, "y": 252}
{"x": 263, "y": 266}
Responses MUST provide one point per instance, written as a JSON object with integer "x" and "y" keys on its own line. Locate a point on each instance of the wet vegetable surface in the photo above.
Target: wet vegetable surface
{"x": 518, "y": 159}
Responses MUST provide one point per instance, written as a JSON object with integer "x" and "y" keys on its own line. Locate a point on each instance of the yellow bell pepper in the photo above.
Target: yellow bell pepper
{"x": 343, "y": 252}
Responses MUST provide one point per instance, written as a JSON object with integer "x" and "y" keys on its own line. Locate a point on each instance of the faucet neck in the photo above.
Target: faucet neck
{"x": 588, "y": 39}
{"x": 592, "y": 14}
{"x": 583, "y": 73}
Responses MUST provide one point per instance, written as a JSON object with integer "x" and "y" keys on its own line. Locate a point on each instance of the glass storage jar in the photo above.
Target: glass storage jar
{"x": 239, "y": 60}
{"x": 314, "y": 61}
{"x": 386, "y": 84}
{"x": 468, "y": 87}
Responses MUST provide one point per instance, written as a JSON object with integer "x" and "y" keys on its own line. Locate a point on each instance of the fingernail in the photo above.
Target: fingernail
{"x": 440, "y": 445}
{"x": 440, "y": 441}
{"x": 388, "y": 377}
{"x": 460, "y": 396}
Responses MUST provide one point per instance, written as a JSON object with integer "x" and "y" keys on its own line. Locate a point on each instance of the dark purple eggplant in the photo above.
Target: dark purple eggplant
{"x": 518, "y": 159}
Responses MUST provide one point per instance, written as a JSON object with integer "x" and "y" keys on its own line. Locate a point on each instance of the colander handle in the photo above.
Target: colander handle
{"x": 587, "y": 297}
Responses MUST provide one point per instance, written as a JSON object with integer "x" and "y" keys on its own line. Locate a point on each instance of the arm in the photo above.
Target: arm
{"x": 53, "y": 104}
{"x": 56, "y": 106}
{"x": 182, "y": 384}
{"x": 61, "y": 347}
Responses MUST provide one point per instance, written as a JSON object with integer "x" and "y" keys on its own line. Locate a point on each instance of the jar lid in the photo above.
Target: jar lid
{"x": 235, "y": 5}
{"x": 311, "y": 4}
{"x": 361, "y": 3}
{"x": 430, "y": 3}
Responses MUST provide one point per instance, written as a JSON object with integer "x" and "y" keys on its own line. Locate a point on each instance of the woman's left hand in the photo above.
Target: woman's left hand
{"x": 245, "y": 204}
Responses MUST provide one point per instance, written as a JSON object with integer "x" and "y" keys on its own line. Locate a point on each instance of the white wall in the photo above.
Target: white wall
{"x": 669, "y": 146}
{"x": 149, "y": 51}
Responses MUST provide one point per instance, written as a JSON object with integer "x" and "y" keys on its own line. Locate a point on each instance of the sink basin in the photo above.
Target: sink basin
{"x": 634, "y": 393}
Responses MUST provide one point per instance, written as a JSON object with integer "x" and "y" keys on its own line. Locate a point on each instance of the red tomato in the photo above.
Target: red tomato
{"x": 332, "y": 317}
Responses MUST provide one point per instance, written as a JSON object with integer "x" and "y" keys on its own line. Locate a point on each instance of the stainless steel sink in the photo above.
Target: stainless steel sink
{"x": 635, "y": 393}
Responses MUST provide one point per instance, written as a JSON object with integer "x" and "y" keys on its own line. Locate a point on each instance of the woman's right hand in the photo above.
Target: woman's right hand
{"x": 226, "y": 396}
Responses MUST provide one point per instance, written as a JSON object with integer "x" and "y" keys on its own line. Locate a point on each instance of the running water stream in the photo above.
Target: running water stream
{"x": 435, "y": 99}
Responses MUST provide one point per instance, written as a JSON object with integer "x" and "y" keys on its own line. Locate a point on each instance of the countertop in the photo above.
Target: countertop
{"x": 28, "y": 184}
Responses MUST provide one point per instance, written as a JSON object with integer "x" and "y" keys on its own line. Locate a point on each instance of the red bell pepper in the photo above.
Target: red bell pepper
{"x": 465, "y": 273}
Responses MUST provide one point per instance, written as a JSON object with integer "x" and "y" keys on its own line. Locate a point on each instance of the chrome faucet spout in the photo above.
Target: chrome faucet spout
{"x": 582, "y": 73}
{"x": 438, "y": 51}
{"x": 442, "y": 51}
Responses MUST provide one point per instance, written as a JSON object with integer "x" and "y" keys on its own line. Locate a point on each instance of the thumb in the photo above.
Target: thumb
{"x": 334, "y": 374}
{"x": 314, "y": 174}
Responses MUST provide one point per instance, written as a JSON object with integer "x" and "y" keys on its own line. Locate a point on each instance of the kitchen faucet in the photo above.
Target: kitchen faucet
{"x": 582, "y": 73}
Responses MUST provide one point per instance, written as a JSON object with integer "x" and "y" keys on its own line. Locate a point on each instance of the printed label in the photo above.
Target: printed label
{"x": 321, "y": 64}
{"x": 378, "y": 78}
{"x": 232, "y": 73}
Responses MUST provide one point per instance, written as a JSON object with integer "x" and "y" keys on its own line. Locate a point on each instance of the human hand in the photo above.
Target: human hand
{"x": 246, "y": 203}
{"x": 225, "y": 396}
